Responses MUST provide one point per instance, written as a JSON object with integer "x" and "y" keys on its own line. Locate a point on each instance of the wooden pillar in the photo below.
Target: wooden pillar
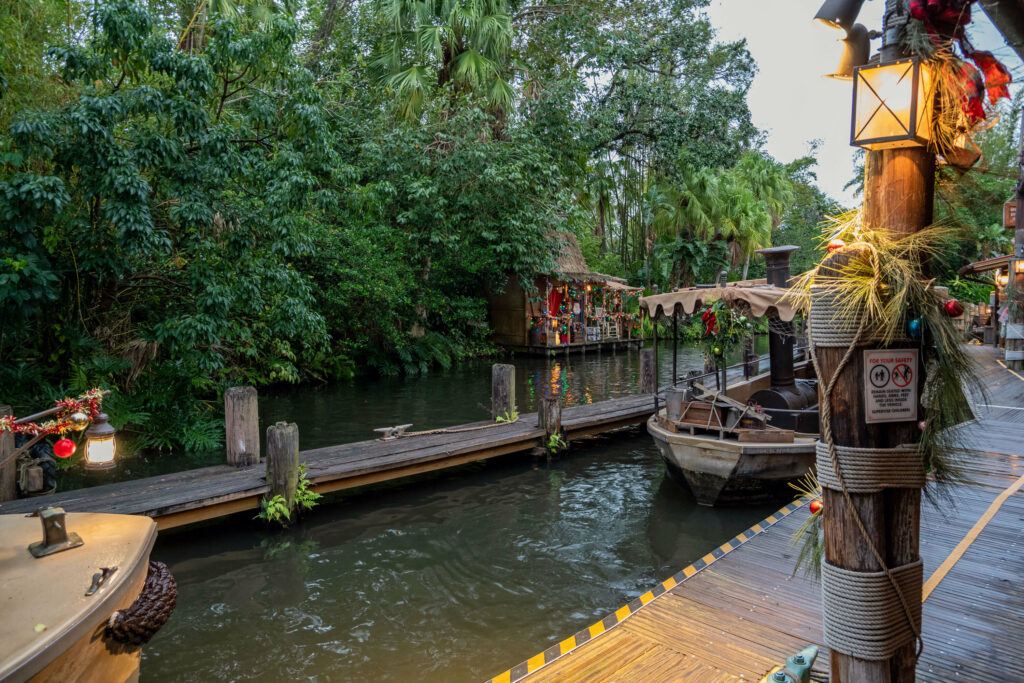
{"x": 8, "y": 472}
{"x": 898, "y": 195}
{"x": 241, "y": 426}
{"x": 283, "y": 461}
{"x": 646, "y": 371}
{"x": 549, "y": 415}
{"x": 1015, "y": 316}
{"x": 503, "y": 390}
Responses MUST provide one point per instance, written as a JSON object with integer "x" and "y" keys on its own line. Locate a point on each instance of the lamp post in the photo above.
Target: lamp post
{"x": 891, "y": 120}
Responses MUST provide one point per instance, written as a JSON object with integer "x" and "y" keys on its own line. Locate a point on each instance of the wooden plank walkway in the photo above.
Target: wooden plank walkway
{"x": 739, "y": 611}
{"x": 208, "y": 492}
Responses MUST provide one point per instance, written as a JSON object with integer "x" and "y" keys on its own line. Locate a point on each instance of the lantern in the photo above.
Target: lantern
{"x": 99, "y": 444}
{"x": 892, "y": 105}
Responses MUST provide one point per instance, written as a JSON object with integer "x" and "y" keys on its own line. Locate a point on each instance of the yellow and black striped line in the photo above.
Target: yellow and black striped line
{"x": 534, "y": 663}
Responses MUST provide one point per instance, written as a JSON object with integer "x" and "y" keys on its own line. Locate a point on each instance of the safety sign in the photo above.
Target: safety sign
{"x": 890, "y": 385}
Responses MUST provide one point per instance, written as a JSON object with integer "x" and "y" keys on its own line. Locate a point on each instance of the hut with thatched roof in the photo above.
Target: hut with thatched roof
{"x": 571, "y": 307}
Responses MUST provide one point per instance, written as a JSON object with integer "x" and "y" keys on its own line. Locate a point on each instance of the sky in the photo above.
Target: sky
{"x": 790, "y": 99}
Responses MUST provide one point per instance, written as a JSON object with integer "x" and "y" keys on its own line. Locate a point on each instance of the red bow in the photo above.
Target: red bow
{"x": 710, "y": 322}
{"x": 996, "y": 75}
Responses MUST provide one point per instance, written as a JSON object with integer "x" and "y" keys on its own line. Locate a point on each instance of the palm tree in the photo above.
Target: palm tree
{"x": 745, "y": 224}
{"x": 994, "y": 240}
{"x": 689, "y": 211}
{"x": 770, "y": 185}
{"x": 432, "y": 44}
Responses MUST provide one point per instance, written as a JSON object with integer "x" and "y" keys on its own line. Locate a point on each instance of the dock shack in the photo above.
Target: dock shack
{"x": 571, "y": 308}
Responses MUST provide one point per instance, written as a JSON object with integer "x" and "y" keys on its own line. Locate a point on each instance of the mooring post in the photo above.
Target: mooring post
{"x": 283, "y": 461}
{"x": 8, "y": 472}
{"x": 646, "y": 371}
{"x": 241, "y": 426}
{"x": 503, "y": 390}
{"x": 549, "y": 416}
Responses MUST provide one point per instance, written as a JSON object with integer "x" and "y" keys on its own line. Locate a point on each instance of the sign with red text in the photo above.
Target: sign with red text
{"x": 1010, "y": 214}
{"x": 890, "y": 385}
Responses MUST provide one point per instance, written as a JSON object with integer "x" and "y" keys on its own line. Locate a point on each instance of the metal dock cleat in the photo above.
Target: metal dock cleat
{"x": 389, "y": 433}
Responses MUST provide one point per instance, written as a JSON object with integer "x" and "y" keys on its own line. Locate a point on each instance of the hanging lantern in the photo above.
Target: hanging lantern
{"x": 1002, "y": 279}
{"x": 99, "y": 444}
{"x": 892, "y": 105}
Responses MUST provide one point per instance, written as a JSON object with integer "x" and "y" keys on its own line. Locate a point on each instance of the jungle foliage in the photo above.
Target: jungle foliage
{"x": 198, "y": 194}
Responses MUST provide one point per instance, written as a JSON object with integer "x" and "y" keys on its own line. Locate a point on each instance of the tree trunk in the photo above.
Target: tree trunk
{"x": 746, "y": 267}
{"x": 332, "y": 11}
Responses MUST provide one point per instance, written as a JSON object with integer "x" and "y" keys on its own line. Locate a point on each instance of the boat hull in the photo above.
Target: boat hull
{"x": 725, "y": 472}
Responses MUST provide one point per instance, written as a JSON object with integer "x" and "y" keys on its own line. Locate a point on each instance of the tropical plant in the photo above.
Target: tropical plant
{"x": 458, "y": 46}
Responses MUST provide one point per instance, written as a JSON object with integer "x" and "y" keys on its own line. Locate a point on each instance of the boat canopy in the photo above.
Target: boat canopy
{"x": 759, "y": 297}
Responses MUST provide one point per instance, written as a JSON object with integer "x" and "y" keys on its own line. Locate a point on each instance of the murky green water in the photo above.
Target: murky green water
{"x": 452, "y": 576}
{"x": 455, "y": 576}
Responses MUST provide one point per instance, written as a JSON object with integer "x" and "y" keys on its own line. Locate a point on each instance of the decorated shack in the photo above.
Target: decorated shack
{"x": 571, "y": 308}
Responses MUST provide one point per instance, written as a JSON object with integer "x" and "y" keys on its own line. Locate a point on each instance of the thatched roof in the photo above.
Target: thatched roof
{"x": 571, "y": 264}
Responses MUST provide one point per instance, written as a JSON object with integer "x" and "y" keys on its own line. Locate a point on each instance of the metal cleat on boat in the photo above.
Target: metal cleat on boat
{"x": 389, "y": 433}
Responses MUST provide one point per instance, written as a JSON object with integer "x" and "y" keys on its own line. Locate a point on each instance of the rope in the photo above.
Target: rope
{"x": 139, "y": 622}
{"x": 827, "y": 326}
{"x": 449, "y": 430}
{"x": 861, "y": 609}
{"x": 912, "y": 617}
{"x": 870, "y": 470}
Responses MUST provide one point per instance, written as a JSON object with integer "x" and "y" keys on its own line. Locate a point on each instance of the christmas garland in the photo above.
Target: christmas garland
{"x": 73, "y": 414}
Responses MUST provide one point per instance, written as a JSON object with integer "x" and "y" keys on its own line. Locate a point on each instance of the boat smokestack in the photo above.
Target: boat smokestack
{"x": 780, "y": 334}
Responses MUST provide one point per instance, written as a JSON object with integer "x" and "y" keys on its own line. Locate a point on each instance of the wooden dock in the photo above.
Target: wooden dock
{"x": 739, "y": 611}
{"x": 209, "y": 492}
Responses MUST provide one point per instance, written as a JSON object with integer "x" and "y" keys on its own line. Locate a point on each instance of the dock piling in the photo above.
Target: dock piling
{"x": 503, "y": 390}
{"x": 8, "y": 472}
{"x": 647, "y": 371}
{"x": 283, "y": 461}
{"x": 241, "y": 426}
{"x": 549, "y": 416}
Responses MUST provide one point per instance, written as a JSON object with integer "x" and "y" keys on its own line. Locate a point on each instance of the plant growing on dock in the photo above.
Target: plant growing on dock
{"x": 556, "y": 443}
{"x": 305, "y": 497}
{"x": 276, "y": 509}
{"x": 509, "y": 416}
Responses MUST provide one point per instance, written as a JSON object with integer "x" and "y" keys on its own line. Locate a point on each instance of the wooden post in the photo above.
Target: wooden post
{"x": 283, "y": 461}
{"x": 503, "y": 390}
{"x": 549, "y": 416}
{"x": 898, "y": 195}
{"x": 1015, "y": 316}
{"x": 646, "y": 371}
{"x": 241, "y": 426}
{"x": 8, "y": 472}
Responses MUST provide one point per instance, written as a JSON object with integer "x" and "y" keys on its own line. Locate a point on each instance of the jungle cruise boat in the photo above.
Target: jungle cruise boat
{"x": 79, "y": 596}
{"x": 741, "y": 444}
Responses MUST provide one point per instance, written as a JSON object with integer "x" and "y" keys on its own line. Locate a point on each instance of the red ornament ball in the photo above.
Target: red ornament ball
{"x": 835, "y": 245}
{"x": 953, "y": 308}
{"x": 64, "y": 448}
{"x": 815, "y": 506}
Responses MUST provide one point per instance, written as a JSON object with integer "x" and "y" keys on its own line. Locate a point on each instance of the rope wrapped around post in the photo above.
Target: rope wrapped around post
{"x": 868, "y": 615}
{"x": 862, "y": 611}
{"x": 870, "y": 470}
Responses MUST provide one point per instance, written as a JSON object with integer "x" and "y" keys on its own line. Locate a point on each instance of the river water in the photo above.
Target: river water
{"x": 451, "y": 576}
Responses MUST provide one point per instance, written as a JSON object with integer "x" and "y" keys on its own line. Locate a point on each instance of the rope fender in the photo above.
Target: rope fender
{"x": 150, "y": 611}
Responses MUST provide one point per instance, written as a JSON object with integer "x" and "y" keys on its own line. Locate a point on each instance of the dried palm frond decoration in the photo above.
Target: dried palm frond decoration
{"x": 882, "y": 280}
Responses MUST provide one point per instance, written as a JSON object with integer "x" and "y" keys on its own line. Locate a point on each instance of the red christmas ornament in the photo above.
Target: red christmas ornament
{"x": 64, "y": 448}
{"x": 835, "y": 245}
{"x": 815, "y": 506}
{"x": 953, "y": 308}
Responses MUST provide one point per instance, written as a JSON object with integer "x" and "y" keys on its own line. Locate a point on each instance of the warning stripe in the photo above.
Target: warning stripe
{"x": 563, "y": 648}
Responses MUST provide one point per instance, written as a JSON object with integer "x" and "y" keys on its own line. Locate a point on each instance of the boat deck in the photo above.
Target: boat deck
{"x": 740, "y": 610}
